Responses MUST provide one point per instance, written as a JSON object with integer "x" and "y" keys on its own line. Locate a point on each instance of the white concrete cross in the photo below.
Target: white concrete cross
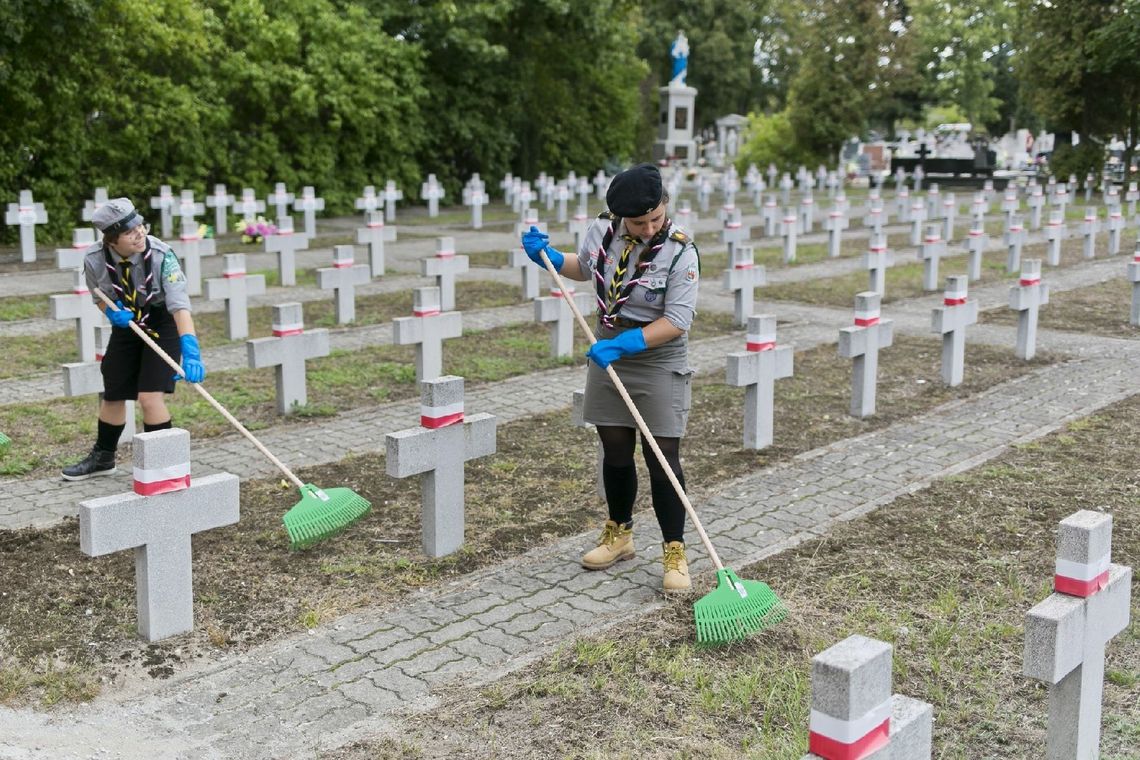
{"x": 436, "y": 450}
{"x": 308, "y": 203}
{"x": 876, "y": 261}
{"x": 553, "y": 309}
{"x": 1115, "y": 228}
{"x": 917, "y": 219}
{"x": 507, "y": 185}
{"x": 287, "y": 351}
{"x": 445, "y": 266}
{"x": 89, "y": 206}
{"x": 976, "y": 243}
{"x": 979, "y": 207}
{"x": 1089, "y": 228}
{"x": 86, "y": 379}
{"x": 342, "y": 278}
{"x": 1061, "y": 198}
{"x": 374, "y": 234}
{"x": 432, "y": 192}
{"x": 835, "y": 223}
{"x": 853, "y": 713}
{"x": 704, "y": 193}
{"x": 476, "y": 198}
{"x": 583, "y": 191}
{"x": 807, "y": 214}
{"x": 392, "y": 194}
{"x": 685, "y": 217}
{"x": 285, "y": 243}
{"x": 950, "y": 321}
{"x": 525, "y": 197}
{"x": 165, "y": 202}
{"x": 875, "y": 218}
{"x": 368, "y": 201}
{"x": 862, "y": 343}
{"x": 1131, "y": 197}
{"x": 1134, "y": 278}
{"x": 187, "y": 209}
{"x": 788, "y": 230}
{"x": 249, "y": 206}
{"x": 157, "y": 520}
{"x": 82, "y": 238}
{"x": 517, "y": 257}
{"x": 1026, "y": 297}
{"x": 26, "y": 214}
{"x": 1066, "y": 634}
{"x": 601, "y": 185}
{"x": 580, "y": 224}
{"x": 1010, "y": 204}
{"x": 786, "y": 186}
{"x": 280, "y": 199}
{"x": 903, "y": 204}
{"x": 1036, "y": 202}
{"x": 934, "y": 202}
{"x": 1055, "y": 232}
{"x": 930, "y": 252}
{"x": 742, "y": 278}
{"x": 426, "y": 329}
{"x": 192, "y": 247}
{"x": 949, "y": 215}
{"x": 756, "y": 370}
{"x": 562, "y": 195}
{"x": 220, "y": 200}
{"x": 734, "y": 232}
{"x": 235, "y": 287}
{"x": 81, "y": 309}
{"x": 1014, "y": 240}
{"x": 529, "y": 219}
{"x": 770, "y": 214}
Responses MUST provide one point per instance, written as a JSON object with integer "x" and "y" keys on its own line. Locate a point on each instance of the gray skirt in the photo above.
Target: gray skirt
{"x": 659, "y": 380}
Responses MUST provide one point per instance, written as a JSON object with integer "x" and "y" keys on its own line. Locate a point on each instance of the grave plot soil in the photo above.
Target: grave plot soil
{"x": 67, "y": 621}
{"x": 1103, "y": 309}
{"x": 945, "y": 575}
{"x": 904, "y": 279}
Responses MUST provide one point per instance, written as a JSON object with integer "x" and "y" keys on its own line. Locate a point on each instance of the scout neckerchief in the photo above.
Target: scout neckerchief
{"x": 611, "y": 300}
{"x": 123, "y": 283}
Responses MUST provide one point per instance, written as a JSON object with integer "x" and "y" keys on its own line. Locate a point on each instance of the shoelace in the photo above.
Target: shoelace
{"x": 610, "y": 534}
{"x": 674, "y": 556}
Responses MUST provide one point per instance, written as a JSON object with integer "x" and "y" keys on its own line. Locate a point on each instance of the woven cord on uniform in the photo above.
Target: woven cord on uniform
{"x": 123, "y": 282}
{"x": 612, "y": 299}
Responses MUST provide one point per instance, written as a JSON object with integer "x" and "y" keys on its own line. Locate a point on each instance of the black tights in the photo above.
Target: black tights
{"x": 620, "y": 477}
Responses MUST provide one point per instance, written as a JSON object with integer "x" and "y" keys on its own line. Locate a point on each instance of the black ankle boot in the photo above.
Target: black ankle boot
{"x": 98, "y": 462}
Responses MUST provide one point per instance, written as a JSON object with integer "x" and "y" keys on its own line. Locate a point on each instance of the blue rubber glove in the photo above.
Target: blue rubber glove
{"x": 191, "y": 359}
{"x": 533, "y": 241}
{"x": 610, "y": 350}
{"x": 120, "y": 318}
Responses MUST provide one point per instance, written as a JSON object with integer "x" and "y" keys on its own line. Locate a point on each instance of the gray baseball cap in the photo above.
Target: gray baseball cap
{"x": 116, "y": 216}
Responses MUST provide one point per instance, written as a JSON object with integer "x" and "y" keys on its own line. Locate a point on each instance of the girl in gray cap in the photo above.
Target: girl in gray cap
{"x": 645, "y": 272}
{"x": 142, "y": 274}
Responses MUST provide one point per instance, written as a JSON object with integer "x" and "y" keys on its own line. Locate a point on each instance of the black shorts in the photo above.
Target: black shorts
{"x": 131, "y": 367}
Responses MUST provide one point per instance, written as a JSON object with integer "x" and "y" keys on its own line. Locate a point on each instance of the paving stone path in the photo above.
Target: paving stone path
{"x": 353, "y": 677}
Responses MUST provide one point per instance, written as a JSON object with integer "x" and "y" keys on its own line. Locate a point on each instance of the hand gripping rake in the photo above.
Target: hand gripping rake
{"x": 320, "y": 513}
{"x": 735, "y": 608}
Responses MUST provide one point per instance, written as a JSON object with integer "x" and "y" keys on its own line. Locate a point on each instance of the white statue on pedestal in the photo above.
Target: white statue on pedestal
{"x": 679, "y": 51}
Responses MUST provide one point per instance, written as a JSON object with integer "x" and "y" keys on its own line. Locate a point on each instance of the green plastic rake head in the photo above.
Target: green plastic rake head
{"x": 736, "y": 609}
{"x": 323, "y": 513}
{"x": 5, "y": 442}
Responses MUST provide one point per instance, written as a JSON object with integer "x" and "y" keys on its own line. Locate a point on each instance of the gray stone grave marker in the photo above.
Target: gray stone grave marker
{"x": 1131, "y": 197}
{"x": 1089, "y": 228}
{"x": 1134, "y": 278}
{"x": 934, "y": 202}
{"x": 86, "y": 378}
{"x": 1066, "y": 634}
{"x": 287, "y": 351}
{"x": 742, "y": 278}
{"x": 427, "y": 328}
{"x": 583, "y": 190}
{"x": 704, "y": 193}
{"x": 308, "y": 203}
{"x": 786, "y": 186}
{"x": 862, "y": 343}
{"x": 78, "y": 307}
{"x": 436, "y": 450}
{"x": 529, "y": 218}
{"x": 1036, "y": 202}
{"x": 164, "y": 203}
{"x": 580, "y": 223}
{"x": 248, "y": 207}
{"x": 157, "y": 520}
{"x": 917, "y": 219}
{"x": 235, "y": 287}
{"x": 552, "y": 309}
{"x": 807, "y": 214}
{"x": 432, "y": 192}
{"x": 1115, "y": 228}
{"x": 444, "y": 267}
{"x": 374, "y": 234}
{"x": 770, "y": 215}
{"x": 368, "y": 201}
{"x": 950, "y": 321}
{"x": 280, "y": 199}
{"x": 930, "y": 252}
{"x": 517, "y": 258}
{"x": 903, "y": 205}
{"x": 853, "y": 713}
{"x": 1055, "y": 232}
{"x": 1061, "y": 199}
{"x": 26, "y": 214}
{"x": 188, "y": 210}
{"x": 1014, "y": 240}
{"x": 949, "y": 216}
{"x": 82, "y": 238}
{"x": 392, "y": 195}
{"x": 835, "y": 223}
{"x": 788, "y": 229}
{"x": 192, "y": 247}
{"x": 734, "y": 232}
{"x": 875, "y": 218}
{"x": 756, "y": 370}
{"x": 342, "y": 278}
{"x": 220, "y": 200}
{"x": 1010, "y": 204}
{"x": 1026, "y": 297}
{"x": 89, "y": 206}
{"x": 562, "y": 196}
{"x": 476, "y": 198}
{"x": 601, "y": 184}
{"x": 877, "y": 260}
{"x": 285, "y": 243}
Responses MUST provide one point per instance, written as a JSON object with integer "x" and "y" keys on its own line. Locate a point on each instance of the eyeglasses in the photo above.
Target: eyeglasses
{"x": 138, "y": 232}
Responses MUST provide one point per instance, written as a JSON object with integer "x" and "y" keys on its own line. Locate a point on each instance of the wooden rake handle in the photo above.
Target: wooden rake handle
{"x": 636, "y": 416}
{"x": 205, "y": 394}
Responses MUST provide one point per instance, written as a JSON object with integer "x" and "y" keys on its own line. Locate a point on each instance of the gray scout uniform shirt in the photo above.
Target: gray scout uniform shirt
{"x": 668, "y": 286}
{"x": 168, "y": 285}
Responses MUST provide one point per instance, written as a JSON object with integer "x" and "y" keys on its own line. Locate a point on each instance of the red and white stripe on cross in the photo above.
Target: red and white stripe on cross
{"x": 150, "y": 482}
{"x": 294, "y": 328}
{"x": 433, "y": 417}
{"x": 867, "y": 317}
{"x": 836, "y": 739}
{"x": 1080, "y": 579}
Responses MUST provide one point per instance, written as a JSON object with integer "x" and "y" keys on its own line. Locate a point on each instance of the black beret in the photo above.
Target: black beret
{"x": 635, "y": 192}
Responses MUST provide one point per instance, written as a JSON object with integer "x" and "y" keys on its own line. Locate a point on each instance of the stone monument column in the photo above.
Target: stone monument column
{"x": 676, "y": 114}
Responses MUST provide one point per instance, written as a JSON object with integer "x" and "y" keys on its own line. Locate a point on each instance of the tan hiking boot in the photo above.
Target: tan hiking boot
{"x": 676, "y": 568}
{"x": 614, "y": 545}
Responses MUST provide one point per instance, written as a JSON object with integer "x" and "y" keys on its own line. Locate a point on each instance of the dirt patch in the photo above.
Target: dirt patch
{"x": 1103, "y": 309}
{"x": 64, "y": 610}
{"x": 945, "y": 575}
